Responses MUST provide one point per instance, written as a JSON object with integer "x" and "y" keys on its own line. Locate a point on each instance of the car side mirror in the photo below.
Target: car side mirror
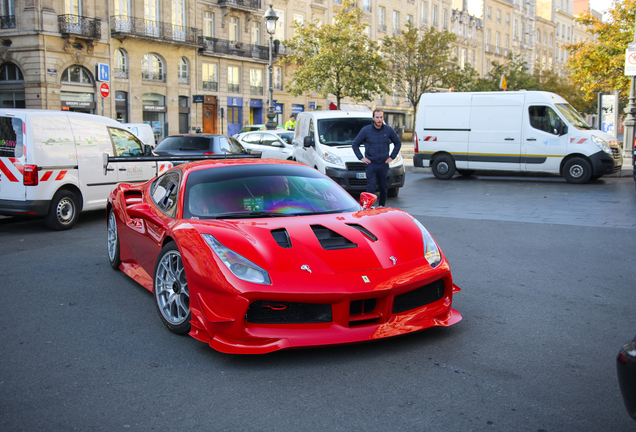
{"x": 367, "y": 199}
{"x": 564, "y": 130}
{"x": 278, "y": 144}
{"x": 308, "y": 141}
{"x": 105, "y": 162}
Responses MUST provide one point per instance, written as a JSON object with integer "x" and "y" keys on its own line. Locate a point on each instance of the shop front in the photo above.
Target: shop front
{"x": 121, "y": 106}
{"x": 256, "y": 111}
{"x": 234, "y": 115}
{"x": 154, "y": 114}
{"x": 78, "y": 102}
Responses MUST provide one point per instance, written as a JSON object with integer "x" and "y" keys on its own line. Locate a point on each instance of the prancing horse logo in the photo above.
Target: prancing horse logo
{"x": 305, "y": 267}
{"x": 393, "y": 260}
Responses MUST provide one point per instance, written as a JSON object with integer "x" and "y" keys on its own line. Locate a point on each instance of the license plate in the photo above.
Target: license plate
{"x": 361, "y": 175}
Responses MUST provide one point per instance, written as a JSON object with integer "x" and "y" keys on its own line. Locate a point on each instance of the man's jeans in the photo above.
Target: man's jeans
{"x": 376, "y": 178}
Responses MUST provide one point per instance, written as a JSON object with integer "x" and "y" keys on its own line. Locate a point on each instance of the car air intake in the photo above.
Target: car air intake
{"x": 331, "y": 240}
{"x": 364, "y": 231}
{"x": 419, "y": 297}
{"x": 282, "y": 238}
{"x": 272, "y": 312}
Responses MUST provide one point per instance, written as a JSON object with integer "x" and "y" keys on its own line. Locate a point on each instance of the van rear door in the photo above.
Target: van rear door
{"x": 495, "y": 132}
{"x": 12, "y": 159}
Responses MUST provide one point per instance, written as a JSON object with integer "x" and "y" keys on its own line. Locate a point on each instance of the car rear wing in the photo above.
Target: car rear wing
{"x": 106, "y": 158}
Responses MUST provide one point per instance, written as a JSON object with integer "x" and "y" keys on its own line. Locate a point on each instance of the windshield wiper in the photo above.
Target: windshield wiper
{"x": 254, "y": 214}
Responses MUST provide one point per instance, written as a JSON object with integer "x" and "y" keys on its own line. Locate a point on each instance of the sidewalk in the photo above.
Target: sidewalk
{"x": 627, "y": 170}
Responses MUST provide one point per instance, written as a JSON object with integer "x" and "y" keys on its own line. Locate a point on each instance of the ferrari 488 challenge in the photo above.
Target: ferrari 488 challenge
{"x": 253, "y": 256}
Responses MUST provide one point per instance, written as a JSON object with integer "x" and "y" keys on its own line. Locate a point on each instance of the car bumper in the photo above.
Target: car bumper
{"x": 350, "y": 181}
{"x": 626, "y": 369}
{"x": 602, "y": 163}
{"x": 24, "y": 208}
{"x": 334, "y": 309}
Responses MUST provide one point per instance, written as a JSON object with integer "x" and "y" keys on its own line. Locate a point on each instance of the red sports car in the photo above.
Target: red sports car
{"x": 253, "y": 256}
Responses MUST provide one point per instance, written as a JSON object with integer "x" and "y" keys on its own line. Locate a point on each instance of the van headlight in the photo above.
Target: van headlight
{"x": 431, "y": 251}
{"x": 331, "y": 158}
{"x": 602, "y": 144}
{"x": 397, "y": 161}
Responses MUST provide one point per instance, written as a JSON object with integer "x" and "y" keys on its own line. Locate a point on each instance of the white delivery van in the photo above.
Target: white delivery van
{"x": 144, "y": 132}
{"x": 51, "y": 163}
{"x": 323, "y": 140}
{"x": 527, "y": 131}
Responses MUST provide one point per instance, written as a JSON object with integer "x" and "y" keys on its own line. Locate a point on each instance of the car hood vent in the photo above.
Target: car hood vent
{"x": 282, "y": 238}
{"x": 364, "y": 231}
{"x": 330, "y": 239}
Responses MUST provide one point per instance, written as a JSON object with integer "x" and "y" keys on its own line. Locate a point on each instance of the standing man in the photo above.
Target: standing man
{"x": 291, "y": 123}
{"x": 376, "y": 139}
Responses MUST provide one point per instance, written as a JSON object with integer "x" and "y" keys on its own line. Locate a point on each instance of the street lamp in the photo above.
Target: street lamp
{"x": 270, "y": 21}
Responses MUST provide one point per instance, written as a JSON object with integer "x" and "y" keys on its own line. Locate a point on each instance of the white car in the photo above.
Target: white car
{"x": 275, "y": 144}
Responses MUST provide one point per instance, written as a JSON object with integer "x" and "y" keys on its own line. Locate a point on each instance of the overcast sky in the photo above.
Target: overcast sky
{"x": 600, "y": 5}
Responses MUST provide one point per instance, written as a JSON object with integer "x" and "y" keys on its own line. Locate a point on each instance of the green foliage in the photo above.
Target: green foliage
{"x": 515, "y": 71}
{"x": 599, "y": 64}
{"x": 337, "y": 59}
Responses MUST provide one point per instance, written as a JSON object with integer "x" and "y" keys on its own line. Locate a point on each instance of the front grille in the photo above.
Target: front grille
{"x": 616, "y": 152}
{"x": 357, "y": 182}
{"x": 272, "y": 312}
{"x": 419, "y": 297}
{"x": 355, "y": 166}
{"x": 358, "y": 307}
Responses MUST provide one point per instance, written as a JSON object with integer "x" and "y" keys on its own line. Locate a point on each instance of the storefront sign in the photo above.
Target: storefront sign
{"x": 256, "y": 103}
{"x": 78, "y": 104}
{"x": 312, "y": 105}
{"x": 198, "y": 99}
{"x": 154, "y": 108}
{"x": 297, "y": 108}
{"x": 234, "y": 101}
{"x": 278, "y": 108}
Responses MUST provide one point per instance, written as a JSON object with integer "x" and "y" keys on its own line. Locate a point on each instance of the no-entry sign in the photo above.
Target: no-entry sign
{"x": 104, "y": 90}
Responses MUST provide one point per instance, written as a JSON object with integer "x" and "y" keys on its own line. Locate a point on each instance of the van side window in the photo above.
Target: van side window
{"x": 544, "y": 118}
{"x": 165, "y": 192}
{"x": 126, "y": 144}
{"x": 11, "y": 137}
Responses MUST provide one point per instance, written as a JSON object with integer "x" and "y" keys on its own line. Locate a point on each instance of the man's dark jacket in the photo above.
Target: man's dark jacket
{"x": 376, "y": 143}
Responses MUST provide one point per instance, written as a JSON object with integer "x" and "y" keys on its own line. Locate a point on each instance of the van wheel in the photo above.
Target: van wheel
{"x": 443, "y": 167}
{"x": 63, "y": 212}
{"x": 113, "y": 241}
{"x": 465, "y": 172}
{"x": 393, "y": 192}
{"x": 577, "y": 170}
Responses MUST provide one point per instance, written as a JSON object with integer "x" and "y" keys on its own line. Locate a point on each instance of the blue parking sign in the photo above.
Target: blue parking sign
{"x": 102, "y": 72}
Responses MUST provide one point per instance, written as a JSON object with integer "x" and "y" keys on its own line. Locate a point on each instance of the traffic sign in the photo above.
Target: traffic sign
{"x": 102, "y": 72}
{"x": 104, "y": 90}
{"x": 630, "y": 61}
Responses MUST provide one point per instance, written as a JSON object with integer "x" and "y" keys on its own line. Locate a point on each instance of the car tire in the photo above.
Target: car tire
{"x": 63, "y": 211}
{"x": 577, "y": 170}
{"x": 393, "y": 192}
{"x": 443, "y": 167}
{"x": 170, "y": 287}
{"x": 465, "y": 172}
{"x": 113, "y": 241}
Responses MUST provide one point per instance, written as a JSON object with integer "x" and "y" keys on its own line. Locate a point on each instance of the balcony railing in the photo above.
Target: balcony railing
{"x": 382, "y": 28}
{"x": 251, "y": 4}
{"x": 233, "y": 88}
{"x": 7, "y": 21}
{"x": 224, "y": 46}
{"x": 120, "y": 73}
{"x": 256, "y": 90}
{"x": 80, "y": 25}
{"x": 184, "y": 80}
{"x": 153, "y": 76}
{"x": 125, "y": 25}
{"x": 210, "y": 85}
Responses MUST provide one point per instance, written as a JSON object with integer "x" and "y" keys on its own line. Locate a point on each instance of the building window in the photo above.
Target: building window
{"x": 8, "y": 14}
{"x": 152, "y": 68}
{"x": 183, "y": 73}
{"x": 208, "y": 24}
{"x": 366, "y": 5}
{"x": 280, "y": 25}
{"x": 233, "y": 29}
{"x": 396, "y": 22}
{"x": 445, "y": 19}
{"x": 233, "y": 79}
{"x": 210, "y": 77}
{"x": 10, "y": 72}
{"x": 409, "y": 19}
{"x": 424, "y": 12}
{"x": 489, "y": 13}
{"x": 435, "y": 15}
{"x": 77, "y": 75}
{"x": 121, "y": 64}
{"x": 508, "y": 19}
{"x": 256, "y": 81}
{"x": 381, "y": 18}
{"x": 278, "y": 78}
{"x": 256, "y": 33}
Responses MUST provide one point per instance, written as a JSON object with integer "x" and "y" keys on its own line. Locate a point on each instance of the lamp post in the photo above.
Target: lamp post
{"x": 630, "y": 118}
{"x": 270, "y": 21}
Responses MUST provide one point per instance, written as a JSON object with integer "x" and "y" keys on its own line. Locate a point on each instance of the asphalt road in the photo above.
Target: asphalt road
{"x": 547, "y": 276}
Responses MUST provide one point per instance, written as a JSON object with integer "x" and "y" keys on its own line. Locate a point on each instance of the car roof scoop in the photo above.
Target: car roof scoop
{"x": 330, "y": 239}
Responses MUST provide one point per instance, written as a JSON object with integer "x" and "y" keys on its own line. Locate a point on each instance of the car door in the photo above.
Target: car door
{"x": 273, "y": 146}
{"x": 126, "y": 144}
{"x": 543, "y": 148}
{"x": 252, "y": 141}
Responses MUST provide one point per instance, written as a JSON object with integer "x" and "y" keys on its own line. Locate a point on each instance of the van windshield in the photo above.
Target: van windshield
{"x": 573, "y": 116}
{"x": 340, "y": 131}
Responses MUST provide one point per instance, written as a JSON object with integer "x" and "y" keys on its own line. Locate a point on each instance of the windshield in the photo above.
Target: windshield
{"x": 263, "y": 191}
{"x": 341, "y": 131}
{"x": 573, "y": 116}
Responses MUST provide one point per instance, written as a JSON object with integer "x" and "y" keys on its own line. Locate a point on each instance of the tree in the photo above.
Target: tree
{"x": 420, "y": 60}
{"x": 515, "y": 71}
{"x": 337, "y": 59}
{"x": 598, "y": 64}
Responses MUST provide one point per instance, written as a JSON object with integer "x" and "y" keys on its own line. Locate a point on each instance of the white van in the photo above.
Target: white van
{"x": 323, "y": 140}
{"x": 144, "y": 132}
{"x": 51, "y": 163}
{"x": 528, "y": 131}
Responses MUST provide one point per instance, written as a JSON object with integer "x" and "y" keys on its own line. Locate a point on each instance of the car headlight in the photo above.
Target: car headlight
{"x": 331, "y": 158}
{"x": 397, "y": 161}
{"x": 240, "y": 267}
{"x": 431, "y": 251}
{"x": 602, "y": 144}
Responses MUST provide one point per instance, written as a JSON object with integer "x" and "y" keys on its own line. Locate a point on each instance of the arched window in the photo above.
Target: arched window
{"x": 121, "y": 64}
{"x": 77, "y": 75}
{"x": 184, "y": 71}
{"x": 10, "y": 72}
{"x": 152, "y": 68}
{"x": 11, "y": 86}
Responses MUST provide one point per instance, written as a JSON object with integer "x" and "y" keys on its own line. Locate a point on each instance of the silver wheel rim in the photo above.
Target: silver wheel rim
{"x": 65, "y": 211}
{"x": 576, "y": 171}
{"x": 112, "y": 236}
{"x": 442, "y": 167}
{"x": 171, "y": 289}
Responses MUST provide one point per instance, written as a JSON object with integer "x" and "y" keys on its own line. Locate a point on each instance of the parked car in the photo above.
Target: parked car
{"x": 253, "y": 256}
{"x": 144, "y": 132}
{"x": 626, "y": 369}
{"x": 198, "y": 144}
{"x": 271, "y": 144}
{"x": 255, "y": 127}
